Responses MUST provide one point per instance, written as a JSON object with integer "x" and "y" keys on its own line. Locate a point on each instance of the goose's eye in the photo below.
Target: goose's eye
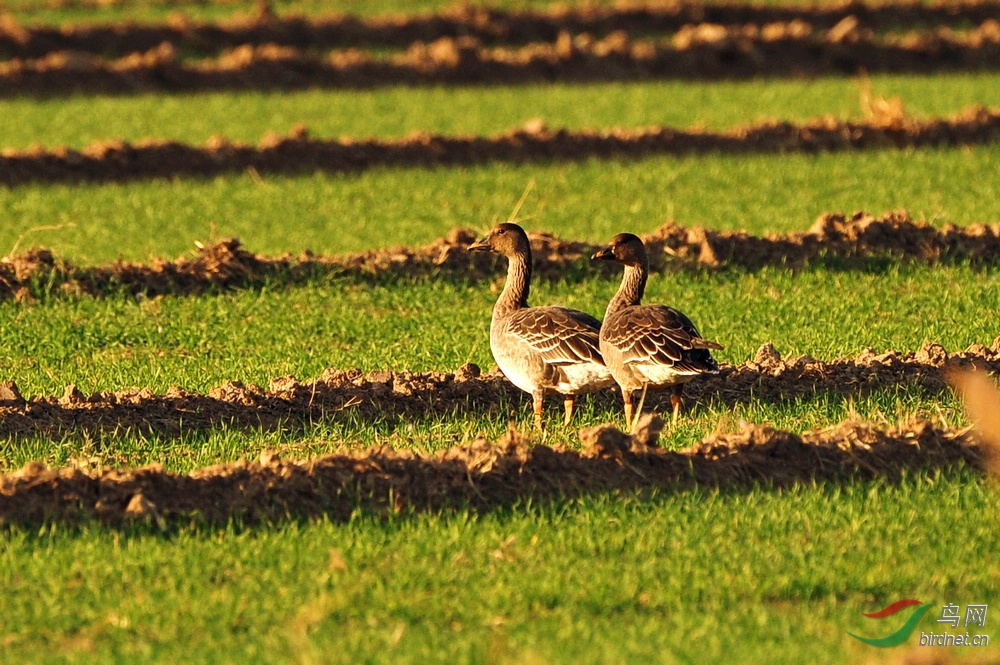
{"x": 501, "y": 231}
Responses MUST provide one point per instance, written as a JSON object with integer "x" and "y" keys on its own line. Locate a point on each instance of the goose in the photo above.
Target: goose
{"x": 541, "y": 350}
{"x": 648, "y": 346}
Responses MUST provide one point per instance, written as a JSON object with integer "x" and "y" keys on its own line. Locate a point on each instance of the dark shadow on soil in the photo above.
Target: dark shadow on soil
{"x": 704, "y": 51}
{"x": 395, "y": 397}
{"x": 491, "y": 27}
{"x": 482, "y": 476}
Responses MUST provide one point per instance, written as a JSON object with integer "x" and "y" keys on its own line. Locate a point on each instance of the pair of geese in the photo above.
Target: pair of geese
{"x": 545, "y": 350}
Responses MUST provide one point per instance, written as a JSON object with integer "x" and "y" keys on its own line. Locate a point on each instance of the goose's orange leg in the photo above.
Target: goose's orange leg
{"x": 568, "y": 406}
{"x": 537, "y": 402}
{"x": 675, "y": 401}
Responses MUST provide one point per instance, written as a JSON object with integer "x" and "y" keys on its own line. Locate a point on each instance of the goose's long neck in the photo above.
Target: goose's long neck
{"x": 630, "y": 292}
{"x": 515, "y": 290}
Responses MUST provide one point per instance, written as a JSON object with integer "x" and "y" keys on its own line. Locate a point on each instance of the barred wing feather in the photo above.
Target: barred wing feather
{"x": 660, "y": 335}
{"x": 559, "y": 335}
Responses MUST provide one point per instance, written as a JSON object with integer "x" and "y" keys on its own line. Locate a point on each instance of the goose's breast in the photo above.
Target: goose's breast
{"x": 519, "y": 363}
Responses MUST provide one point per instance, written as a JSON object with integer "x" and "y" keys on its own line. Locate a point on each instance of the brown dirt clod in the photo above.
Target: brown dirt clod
{"x": 10, "y": 395}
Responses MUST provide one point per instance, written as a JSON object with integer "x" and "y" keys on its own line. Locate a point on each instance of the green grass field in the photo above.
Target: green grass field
{"x": 676, "y": 577}
{"x": 31, "y": 12}
{"x": 688, "y": 577}
{"x": 115, "y": 343}
{"x": 590, "y": 200}
{"x": 253, "y": 336}
{"x": 392, "y": 112}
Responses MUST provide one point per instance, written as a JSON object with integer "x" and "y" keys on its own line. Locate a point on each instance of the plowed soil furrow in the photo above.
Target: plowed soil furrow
{"x": 491, "y": 26}
{"x": 396, "y": 396}
{"x": 482, "y": 475}
{"x": 847, "y": 241}
{"x": 704, "y": 51}
{"x": 117, "y": 161}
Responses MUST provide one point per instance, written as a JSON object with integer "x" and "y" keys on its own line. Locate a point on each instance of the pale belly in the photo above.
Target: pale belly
{"x": 584, "y": 378}
{"x": 663, "y": 376}
{"x": 634, "y": 376}
{"x": 527, "y": 371}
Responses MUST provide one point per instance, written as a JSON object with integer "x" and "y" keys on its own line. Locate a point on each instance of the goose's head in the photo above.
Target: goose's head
{"x": 624, "y": 248}
{"x": 507, "y": 239}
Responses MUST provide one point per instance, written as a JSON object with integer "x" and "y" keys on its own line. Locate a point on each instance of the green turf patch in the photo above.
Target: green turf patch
{"x": 590, "y": 200}
{"x": 35, "y": 11}
{"x": 692, "y": 576}
{"x": 116, "y": 343}
{"x": 392, "y": 112}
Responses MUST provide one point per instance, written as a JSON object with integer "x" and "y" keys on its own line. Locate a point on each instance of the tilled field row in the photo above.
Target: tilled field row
{"x": 703, "y": 51}
{"x": 397, "y": 397}
{"x": 481, "y": 476}
{"x": 859, "y": 240}
{"x": 491, "y": 26}
{"x": 119, "y": 161}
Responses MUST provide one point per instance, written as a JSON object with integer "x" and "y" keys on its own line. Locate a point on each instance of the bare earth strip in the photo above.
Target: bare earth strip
{"x": 397, "y": 396}
{"x": 491, "y": 26}
{"x": 481, "y": 475}
{"x": 703, "y": 51}
{"x": 857, "y": 240}
{"x": 117, "y": 161}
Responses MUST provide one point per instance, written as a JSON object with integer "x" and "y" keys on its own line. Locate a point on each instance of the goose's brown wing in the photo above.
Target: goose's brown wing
{"x": 660, "y": 335}
{"x": 561, "y": 336}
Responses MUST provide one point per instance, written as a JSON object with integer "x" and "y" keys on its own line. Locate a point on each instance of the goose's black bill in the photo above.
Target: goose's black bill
{"x": 605, "y": 254}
